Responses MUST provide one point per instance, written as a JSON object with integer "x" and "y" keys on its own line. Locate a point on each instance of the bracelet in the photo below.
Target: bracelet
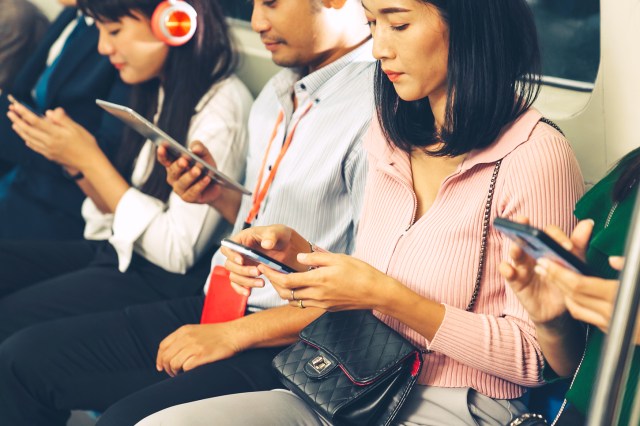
{"x": 69, "y": 176}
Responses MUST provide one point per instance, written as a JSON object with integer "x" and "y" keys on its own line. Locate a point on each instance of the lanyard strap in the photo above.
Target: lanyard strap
{"x": 260, "y": 193}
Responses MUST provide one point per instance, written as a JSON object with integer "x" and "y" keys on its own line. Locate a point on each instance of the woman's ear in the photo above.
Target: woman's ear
{"x": 334, "y": 4}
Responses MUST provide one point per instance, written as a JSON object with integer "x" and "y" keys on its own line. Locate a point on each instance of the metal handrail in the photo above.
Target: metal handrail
{"x": 619, "y": 343}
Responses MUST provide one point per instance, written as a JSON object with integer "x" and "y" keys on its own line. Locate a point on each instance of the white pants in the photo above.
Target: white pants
{"x": 426, "y": 405}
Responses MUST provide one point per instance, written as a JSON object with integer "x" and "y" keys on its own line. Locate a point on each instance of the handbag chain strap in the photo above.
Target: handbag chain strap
{"x": 485, "y": 232}
{"x": 552, "y": 124}
{"x": 487, "y": 217}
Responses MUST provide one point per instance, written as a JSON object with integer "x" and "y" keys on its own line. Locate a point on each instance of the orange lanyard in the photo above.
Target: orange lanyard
{"x": 260, "y": 193}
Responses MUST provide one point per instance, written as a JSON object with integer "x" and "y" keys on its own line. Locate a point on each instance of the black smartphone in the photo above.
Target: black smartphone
{"x": 537, "y": 244}
{"x": 256, "y": 256}
{"x": 14, "y": 101}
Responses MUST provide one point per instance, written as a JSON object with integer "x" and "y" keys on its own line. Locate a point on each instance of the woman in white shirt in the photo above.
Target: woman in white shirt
{"x": 142, "y": 242}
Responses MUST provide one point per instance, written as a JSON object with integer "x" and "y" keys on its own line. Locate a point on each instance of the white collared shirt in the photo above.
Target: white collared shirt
{"x": 174, "y": 234}
{"x": 319, "y": 185}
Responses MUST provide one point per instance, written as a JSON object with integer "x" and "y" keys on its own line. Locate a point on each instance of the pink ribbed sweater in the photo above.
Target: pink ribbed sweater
{"x": 493, "y": 349}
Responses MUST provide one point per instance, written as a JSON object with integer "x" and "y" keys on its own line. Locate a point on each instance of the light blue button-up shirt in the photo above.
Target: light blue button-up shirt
{"x": 320, "y": 182}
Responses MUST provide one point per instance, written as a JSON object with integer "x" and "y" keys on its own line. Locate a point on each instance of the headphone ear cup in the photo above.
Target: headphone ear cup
{"x": 174, "y": 22}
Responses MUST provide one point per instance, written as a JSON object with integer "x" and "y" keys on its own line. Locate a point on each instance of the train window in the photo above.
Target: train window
{"x": 569, "y": 33}
{"x": 238, "y": 9}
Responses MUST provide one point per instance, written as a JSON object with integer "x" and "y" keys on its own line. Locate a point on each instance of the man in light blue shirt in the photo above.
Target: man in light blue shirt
{"x": 306, "y": 128}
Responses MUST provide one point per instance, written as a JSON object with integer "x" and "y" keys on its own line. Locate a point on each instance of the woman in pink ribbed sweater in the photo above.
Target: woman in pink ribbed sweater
{"x": 454, "y": 88}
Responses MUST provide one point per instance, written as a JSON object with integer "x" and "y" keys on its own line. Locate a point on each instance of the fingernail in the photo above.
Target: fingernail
{"x": 259, "y": 283}
{"x": 302, "y": 257}
{"x": 540, "y": 270}
{"x": 568, "y": 245}
{"x": 255, "y": 272}
{"x": 541, "y": 267}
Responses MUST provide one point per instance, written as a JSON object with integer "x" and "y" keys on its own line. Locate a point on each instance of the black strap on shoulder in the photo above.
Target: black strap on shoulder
{"x": 552, "y": 124}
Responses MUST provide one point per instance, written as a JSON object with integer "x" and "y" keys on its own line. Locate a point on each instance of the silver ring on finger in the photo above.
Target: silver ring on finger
{"x": 293, "y": 294}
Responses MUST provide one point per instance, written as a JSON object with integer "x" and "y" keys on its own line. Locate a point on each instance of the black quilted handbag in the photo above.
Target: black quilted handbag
{"x": 351, "y": 368}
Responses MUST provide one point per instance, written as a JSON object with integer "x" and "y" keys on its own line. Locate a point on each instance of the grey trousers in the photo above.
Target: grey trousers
{"x": 426, "y": 405}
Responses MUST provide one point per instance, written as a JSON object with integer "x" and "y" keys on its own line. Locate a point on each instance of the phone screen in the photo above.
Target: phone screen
{"x": 537, "y": 244}
{"x": 256, "y": 256}
{"x": 14, "y": 101}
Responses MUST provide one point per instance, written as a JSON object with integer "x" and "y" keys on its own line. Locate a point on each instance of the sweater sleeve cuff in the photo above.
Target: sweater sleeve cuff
{"x": 454, "y": 328}
{"x": 134, "y": 213}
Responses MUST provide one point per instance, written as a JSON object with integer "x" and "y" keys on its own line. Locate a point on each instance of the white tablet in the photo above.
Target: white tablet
{"x": 160, "y": 138}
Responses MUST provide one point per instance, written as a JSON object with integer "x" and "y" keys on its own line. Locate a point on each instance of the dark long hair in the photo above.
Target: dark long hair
{"x": 630, "y": 176}
{"x": 189, "y": 72}
{"x": 493, "y": 77}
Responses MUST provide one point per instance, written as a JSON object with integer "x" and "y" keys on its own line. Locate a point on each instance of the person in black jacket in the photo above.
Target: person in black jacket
{"x": 37, "y": 200}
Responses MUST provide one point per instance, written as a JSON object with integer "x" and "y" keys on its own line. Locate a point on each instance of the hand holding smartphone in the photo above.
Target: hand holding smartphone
{"x": 15, "y": 102}
{"x": 257, "y": 256}
{"x": 150, "y": 131}
{"x": 537, "y": 244}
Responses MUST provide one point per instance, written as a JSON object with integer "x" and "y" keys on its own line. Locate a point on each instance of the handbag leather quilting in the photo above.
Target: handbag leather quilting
{"x": 367, "y": 371}
{"x": 361, "y": 343}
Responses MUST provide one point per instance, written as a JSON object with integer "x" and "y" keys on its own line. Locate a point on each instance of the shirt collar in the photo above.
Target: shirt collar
{"x": 512, "y": 136}
{"x": 310, "y": 85}
{"x": 87, "y": 19}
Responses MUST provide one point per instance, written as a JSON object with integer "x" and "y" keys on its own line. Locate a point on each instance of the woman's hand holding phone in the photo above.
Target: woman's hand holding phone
{"x": 55, "y": 136}
{"x": 542, "y": 299}
{"x": 276, "y": 241}
{"x": 336, "y": 282}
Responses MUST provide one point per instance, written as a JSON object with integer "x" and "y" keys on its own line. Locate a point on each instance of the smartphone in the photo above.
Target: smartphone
{"x": 14, "y": 101}
{"x": 537, "y": 244}
{"x": 160, "y": 138}
{"x": 257, "y": 256}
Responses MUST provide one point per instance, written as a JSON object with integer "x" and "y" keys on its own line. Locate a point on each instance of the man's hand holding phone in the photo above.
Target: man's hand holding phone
{"x": 278, "y": 242}
{"x": 193, "y": 185}
{"x": 189, "y": 180}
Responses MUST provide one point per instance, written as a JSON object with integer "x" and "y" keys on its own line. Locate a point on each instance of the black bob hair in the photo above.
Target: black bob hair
{"x": 493, "y": 77}
{"x": 189, "y": 72}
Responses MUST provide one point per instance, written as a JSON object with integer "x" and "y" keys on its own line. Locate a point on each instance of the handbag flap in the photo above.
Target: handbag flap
{"x": 363, "y": 346}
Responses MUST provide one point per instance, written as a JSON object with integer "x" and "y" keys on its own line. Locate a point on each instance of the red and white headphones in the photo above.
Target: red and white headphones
{"x": 174, "y": 22}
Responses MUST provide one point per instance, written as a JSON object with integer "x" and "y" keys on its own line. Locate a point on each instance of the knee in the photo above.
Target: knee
{"x": 20, "y": 363}
{"x": 16, "y": 352}
{"x": 170, "y": 416}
